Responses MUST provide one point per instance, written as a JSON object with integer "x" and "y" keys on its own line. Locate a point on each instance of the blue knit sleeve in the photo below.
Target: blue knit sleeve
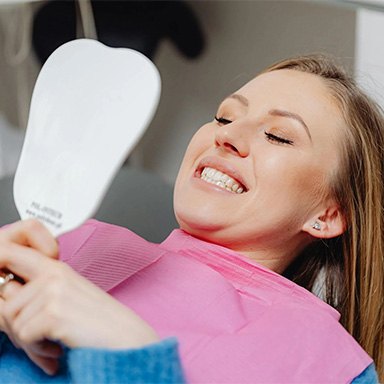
{"x": 368, "y": 376}
{"x": 156, "y": 363}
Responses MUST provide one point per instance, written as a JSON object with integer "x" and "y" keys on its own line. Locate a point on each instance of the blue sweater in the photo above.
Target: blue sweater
{"x": 157, "y": 363}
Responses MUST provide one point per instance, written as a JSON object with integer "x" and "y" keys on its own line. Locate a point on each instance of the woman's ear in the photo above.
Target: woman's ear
{"x": 326, "y": 224}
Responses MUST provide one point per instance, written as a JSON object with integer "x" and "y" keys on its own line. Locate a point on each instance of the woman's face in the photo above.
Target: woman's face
{"x": 253, "y": 177}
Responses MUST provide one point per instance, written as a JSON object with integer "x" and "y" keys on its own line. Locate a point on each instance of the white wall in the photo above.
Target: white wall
{"x": 242, "y": 38}
{"x": 18, "y": 65}
{"x": 369, "y": 63}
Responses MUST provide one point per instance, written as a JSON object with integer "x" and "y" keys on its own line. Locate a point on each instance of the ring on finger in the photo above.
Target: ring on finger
{"x": 5, "y": 278}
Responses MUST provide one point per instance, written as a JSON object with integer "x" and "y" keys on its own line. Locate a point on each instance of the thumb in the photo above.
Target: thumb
{"x": 31, "y": 233}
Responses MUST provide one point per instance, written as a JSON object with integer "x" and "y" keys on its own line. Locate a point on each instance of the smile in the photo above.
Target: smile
{"x": 222, "y": 180}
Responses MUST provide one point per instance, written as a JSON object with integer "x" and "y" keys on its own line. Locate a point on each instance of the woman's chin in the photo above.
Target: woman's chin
{"x": 194, "y": 225}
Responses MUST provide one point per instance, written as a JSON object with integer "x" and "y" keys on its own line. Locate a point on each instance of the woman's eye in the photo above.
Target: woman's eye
{"x": 277, "y": 139}
{"x": 222, "y": 120}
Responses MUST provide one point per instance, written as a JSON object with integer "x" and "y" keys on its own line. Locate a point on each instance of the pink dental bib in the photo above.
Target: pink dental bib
{"x": 236, "y": 322}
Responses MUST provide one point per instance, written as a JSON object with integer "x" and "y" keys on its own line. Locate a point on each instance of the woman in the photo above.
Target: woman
{"x": 286, "y": 180}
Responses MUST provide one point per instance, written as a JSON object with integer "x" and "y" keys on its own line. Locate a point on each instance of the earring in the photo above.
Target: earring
{"x": 316, "y": 225}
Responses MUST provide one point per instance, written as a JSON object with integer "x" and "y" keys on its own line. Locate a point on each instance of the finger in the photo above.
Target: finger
{"x": 48, "y": 365}
{"x": 25, "y": 262}
{"x": 11, "y": 309}
{"x": 33, "y": 315}
{"x": 10, "y": 290}
{"x": 15, "y": 303}
{"x": 33, "y": 234}
{"x": 2, "y": 321}
{"x": 37, "y": 328}
{"x": 4, "y": 326}
{"x": 47, "y": 348}
{"x": 27, "y": 301}
{"x": 25, "y": 327}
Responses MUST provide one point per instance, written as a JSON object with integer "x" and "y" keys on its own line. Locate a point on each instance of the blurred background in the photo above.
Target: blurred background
{"x": 203, "y": 49}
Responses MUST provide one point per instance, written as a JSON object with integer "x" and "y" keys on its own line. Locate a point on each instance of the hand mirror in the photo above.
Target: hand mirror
{"x": 90, "y": 106}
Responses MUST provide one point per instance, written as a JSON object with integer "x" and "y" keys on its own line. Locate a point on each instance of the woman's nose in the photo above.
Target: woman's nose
{"x": 231, "y": 139}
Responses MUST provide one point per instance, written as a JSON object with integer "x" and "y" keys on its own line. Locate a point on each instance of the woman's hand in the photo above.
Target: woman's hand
{"x": 29, "y": 235}
{"x": 57, "y": 304}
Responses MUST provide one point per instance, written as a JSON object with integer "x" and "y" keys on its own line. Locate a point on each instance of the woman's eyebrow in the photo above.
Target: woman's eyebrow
{"x": 291, "y": 115}
{"x": 274, "y": 112}
{"x": 243, "y": 100}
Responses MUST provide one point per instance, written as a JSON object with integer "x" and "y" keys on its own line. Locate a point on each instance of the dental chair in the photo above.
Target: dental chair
{"x": 137, "y": 199}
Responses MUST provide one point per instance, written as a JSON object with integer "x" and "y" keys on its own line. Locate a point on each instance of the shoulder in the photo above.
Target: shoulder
{"x": 331, "y": 341}
{"x": 317, "y": 324}
{"x": 368, "y": 376}
{"x": 310, "y": 341}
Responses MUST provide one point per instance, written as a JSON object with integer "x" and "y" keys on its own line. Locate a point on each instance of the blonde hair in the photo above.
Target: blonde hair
{"x": 353, "y": 263}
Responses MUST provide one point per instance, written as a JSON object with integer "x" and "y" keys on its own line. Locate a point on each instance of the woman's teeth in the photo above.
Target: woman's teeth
{"x": 213, "y": 176}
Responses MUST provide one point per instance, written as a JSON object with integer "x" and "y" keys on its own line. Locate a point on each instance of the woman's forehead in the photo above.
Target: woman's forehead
{"x": 287, "y": 81}
{"x": 291, "y": 90}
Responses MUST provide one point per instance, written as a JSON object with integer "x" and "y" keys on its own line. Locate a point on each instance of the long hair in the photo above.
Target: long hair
{"x": 351, "y": 265}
